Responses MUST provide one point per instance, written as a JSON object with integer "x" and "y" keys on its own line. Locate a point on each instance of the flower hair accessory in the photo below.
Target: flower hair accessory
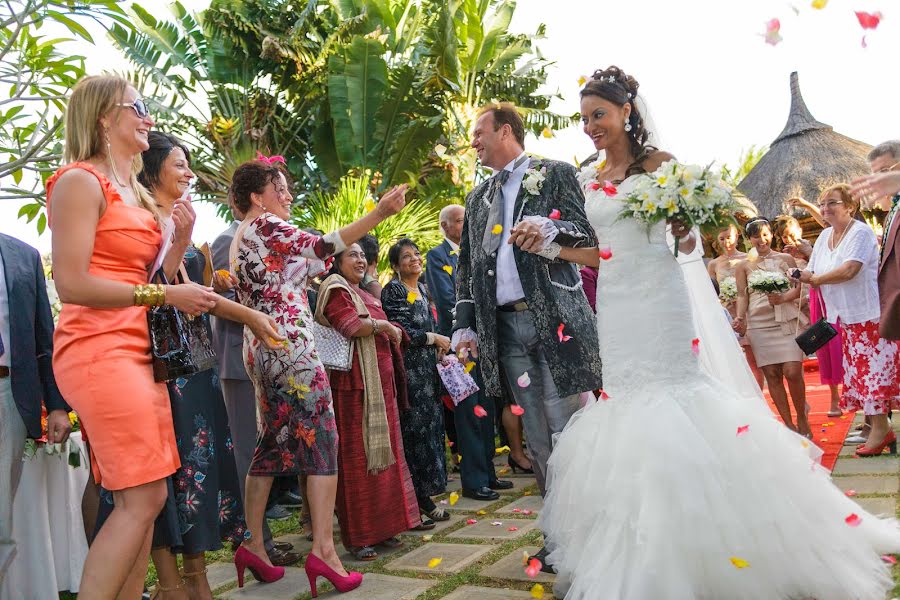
{"x": 275, "y": 158}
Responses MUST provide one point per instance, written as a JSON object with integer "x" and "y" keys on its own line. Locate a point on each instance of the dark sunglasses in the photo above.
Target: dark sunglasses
{"x": 139, "y": 107}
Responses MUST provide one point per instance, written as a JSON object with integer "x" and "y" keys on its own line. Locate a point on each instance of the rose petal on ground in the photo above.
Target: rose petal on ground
{"x": 850, "y": 493}
{"x": 742, "y": 430}
{"x": 471, "y": 521}
{"x": 454, "y": 498}
{"x": 481, "y": 513}
{"x": 526, "y": 512}
{"x": 537, "y": 591}
{"x": 496, "y": 523}
{"x": 533, "y": 568}
{"x": 739, "y": 563}
{"x": 427, "y": 538}
{"x": 434, "y": 562}
{"x": 513, "y": 528}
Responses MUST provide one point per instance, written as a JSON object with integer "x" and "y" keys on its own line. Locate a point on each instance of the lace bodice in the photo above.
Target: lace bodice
{"x": 644, "y": 317}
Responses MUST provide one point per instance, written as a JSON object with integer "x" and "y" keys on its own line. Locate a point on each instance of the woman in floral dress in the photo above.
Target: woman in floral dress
{"x": 273, "y": 260}
{"x": 406, "y": 303}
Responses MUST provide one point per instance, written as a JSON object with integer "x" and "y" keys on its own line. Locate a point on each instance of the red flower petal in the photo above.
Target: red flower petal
{"x": 695, "y": 346}
{"x": 554, "y": 214}
{"x": 559, "y": 333}
{"x": 853, "y": 520}
{"x": 868, "y": 20}
{"x": 594, "y": 186}
{"x": 742, "y": 430}
{"x": 471, "y": 521}
{"x": 850, "y": 493}
{"x": 889, "y": 559}
{"x": 605, "y": 253}
{"x": 609, "y": 189}
{"x": 516, "y": 410}
{"x": 480, "y": 412}
{"x": 604, "y": 395}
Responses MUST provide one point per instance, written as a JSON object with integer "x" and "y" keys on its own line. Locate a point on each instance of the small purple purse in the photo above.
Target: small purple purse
{"x": 459, "y": 384}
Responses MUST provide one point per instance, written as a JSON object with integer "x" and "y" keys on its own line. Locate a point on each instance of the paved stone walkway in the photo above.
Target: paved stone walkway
{"x": 483, "y": 560}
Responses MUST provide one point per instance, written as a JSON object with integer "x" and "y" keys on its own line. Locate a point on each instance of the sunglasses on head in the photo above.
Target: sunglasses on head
{"x": 138, "y": 106}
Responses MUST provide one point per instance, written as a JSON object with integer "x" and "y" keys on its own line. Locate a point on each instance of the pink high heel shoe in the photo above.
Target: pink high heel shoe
{"x": 316, "y": 567}
{"x": 244, "y": 559}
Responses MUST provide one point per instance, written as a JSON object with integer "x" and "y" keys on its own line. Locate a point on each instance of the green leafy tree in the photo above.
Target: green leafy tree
{"x": 37, "y": 77}
{"x": 352, "y": 199}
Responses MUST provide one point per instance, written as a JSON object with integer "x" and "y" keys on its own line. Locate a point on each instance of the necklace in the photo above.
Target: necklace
{"x": 409, "y": 287}
{"x": 835, "y": 244}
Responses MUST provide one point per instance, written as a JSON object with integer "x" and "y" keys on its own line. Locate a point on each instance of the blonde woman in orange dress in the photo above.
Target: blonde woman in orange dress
{"x": 105, "y": 235}
{"x": 722, "y": 267}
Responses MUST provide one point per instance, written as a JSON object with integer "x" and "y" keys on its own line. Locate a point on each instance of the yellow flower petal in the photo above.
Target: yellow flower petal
{"x": 469, "y": 366}
{"x": 547, "y": 132}
{"x": 582, "y": 80}
{"x": 537, "y": 591}
{"x": 412, "y": 297}
{"x": 454, "y": 498}
{"x": 497, "y": 229}
{"x": 819, "y": 4}
{"x": 434, "y": 562}
{"x": 481, "y": 513}
{"x": 370, "y": 205}
{"x": 739, "y": 563}
{"x": 448, "y": 268}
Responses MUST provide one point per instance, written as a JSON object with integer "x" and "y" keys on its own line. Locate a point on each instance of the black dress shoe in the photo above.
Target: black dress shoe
{"x": 541, "y": 555}
{"x": 499, "y": 484}
{"x": 283, "y": 546}
{"x": 283, "y": 559}
{"x": 482, "y": 493}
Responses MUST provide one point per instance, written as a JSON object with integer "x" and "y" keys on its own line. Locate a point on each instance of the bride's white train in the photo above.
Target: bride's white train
{"x": 678, "y": 487}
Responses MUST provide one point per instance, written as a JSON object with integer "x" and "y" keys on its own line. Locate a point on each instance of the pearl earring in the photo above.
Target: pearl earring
{"x": 627, "y": 125}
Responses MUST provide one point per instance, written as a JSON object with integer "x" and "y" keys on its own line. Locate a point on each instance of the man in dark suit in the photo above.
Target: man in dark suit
{"x": 26, "y": 374}
{"x": 474, "y": 437}
{"x": 237, "y": 389}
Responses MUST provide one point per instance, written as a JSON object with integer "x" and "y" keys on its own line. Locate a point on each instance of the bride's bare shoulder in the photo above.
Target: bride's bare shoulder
{"x": 655, "y": 159}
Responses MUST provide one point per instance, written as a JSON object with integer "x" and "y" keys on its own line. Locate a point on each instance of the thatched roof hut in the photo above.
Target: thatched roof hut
{"x": 804, "y": 159}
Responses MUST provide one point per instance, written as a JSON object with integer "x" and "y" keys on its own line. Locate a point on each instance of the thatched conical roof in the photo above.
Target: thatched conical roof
{"x": 804, "y": 159}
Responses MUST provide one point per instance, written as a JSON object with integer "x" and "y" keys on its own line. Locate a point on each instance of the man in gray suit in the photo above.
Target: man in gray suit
{"x": 240, "y": 398}
{"x": 26, "y": 375}
{"x": 525, "y": 316}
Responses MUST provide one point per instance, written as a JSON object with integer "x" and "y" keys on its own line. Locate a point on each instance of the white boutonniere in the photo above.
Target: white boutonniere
{"x": 534, "y": 180}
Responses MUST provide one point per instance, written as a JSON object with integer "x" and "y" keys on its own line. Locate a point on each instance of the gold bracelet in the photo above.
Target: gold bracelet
{"x": 149, "y": 294}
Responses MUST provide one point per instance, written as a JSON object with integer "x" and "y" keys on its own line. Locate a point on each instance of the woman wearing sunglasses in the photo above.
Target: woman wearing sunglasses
{"x": 105, "y": 235}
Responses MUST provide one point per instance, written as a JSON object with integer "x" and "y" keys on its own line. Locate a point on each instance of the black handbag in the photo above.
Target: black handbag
{"x": 180, "y": 344}
{"x": 819, "y": 334}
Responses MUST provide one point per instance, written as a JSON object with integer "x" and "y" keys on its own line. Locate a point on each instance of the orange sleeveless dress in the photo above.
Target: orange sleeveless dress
{"x": 101, "y": 357}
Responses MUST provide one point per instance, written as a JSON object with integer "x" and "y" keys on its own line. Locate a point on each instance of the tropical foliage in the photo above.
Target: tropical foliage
{"x": 36, "y": 77}
{"x": 329, "y": 211}
{"x": 338, "y": 86}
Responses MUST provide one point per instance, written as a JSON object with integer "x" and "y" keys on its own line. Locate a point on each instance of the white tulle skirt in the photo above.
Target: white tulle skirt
{"x": 656, "y": 496}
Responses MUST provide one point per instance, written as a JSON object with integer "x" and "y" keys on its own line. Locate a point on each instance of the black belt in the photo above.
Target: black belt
{"x": 514, "y": 306}
{"x": 4, "y": 372}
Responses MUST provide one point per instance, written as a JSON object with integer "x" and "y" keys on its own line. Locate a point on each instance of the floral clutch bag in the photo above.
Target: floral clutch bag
{"x": 459, "y": 384}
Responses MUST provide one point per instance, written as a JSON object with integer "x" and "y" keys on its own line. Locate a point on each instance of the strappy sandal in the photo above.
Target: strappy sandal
{"x": 364, "y": 553}
{"x": 391, "y": 542}
{"x": 437, "y": 513}
{"x": 160, "y": 589}
{"x": 425, "y": 525}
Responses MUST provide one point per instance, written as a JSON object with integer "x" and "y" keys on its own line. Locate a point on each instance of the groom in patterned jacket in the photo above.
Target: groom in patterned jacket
{"x": 524, "y": 317}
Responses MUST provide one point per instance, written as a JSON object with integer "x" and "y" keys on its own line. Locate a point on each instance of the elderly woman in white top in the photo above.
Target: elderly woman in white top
{"x": 844, "y": 267}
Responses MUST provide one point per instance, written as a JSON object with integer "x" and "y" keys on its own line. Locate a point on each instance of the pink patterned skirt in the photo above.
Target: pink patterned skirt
{"x": 831, "y": 355}
{"x": 871, "y": 369}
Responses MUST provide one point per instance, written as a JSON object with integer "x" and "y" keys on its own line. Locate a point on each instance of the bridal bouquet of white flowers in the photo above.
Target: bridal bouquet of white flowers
{"x": 697, "y": 196}
{"x": 768, "y": 282}
{"x": 727, "y": 291}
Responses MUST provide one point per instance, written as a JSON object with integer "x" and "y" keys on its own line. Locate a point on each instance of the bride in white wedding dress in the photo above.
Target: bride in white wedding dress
{"x": 676, "y": 487}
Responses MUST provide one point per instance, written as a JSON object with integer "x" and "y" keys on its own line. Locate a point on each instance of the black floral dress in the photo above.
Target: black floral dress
{"x": 423, "y": 423}
{"x": 204, "y": 507}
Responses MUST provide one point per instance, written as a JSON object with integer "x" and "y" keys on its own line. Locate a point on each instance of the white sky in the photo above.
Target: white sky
{"x": 714, "y": 86}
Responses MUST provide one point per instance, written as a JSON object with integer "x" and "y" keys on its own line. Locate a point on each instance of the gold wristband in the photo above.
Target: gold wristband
{"x": 149, "y": 294}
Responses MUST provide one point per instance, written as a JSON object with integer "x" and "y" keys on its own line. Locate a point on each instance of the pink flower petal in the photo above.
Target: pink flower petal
{"x": 513, "y": 528}
{"x": 609, "y": 189}
{"x": 868, "y": 20}
{"x": 695, "y": 346}
{"x": 850, "y": 493}
{"x": 853, "y": 520}
{"x": 559, "y": 332}
{"x": 742, "y": 430}
{"x": 471, "y": 521}
{"x": 604, "y": 395}
{"x": 889, "y": 559}
{"x": 516, "y": 410}
{"x": 605, "y": 253}
{"x": 479, "y": 411}
{"x": 555, "y": 214}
